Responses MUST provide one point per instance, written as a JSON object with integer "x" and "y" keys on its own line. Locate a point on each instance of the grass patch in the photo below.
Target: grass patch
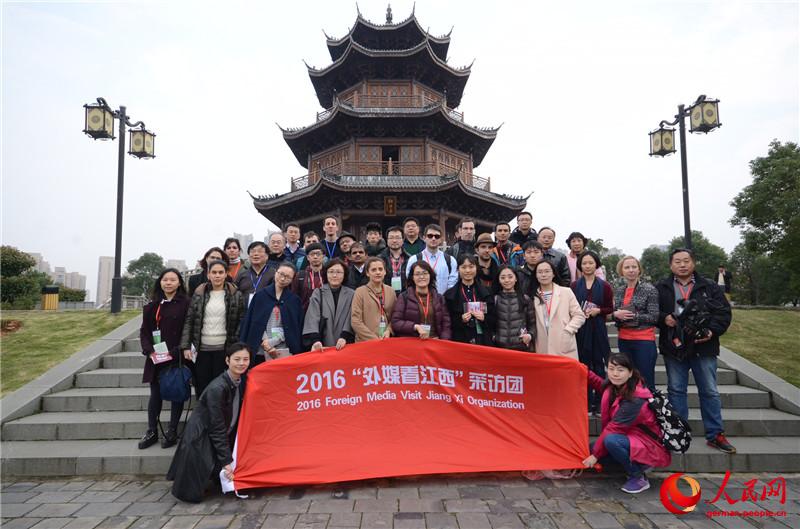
{"x": 767, "y": 338}
{"x": 46, "y": 338}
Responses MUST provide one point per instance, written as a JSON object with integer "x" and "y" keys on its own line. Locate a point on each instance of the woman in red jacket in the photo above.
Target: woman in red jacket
{"x": 625, "y": 416}
{"x": 421, "y": 311}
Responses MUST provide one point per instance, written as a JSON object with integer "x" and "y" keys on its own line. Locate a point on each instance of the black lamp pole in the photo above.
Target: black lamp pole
{"x": 116, "y": 282}
{"x": 687, "y": 227}
{"x": 98, "y": 131}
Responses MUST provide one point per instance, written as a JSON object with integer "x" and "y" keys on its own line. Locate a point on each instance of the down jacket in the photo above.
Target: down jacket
{"x": 407, "y": 313}
{"x": 193, "y": 328}
{"x": 513, "y": 312}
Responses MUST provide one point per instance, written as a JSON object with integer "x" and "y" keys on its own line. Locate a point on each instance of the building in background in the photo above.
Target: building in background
{"x": 390, "y": 142}
{"x": 245, "y": 239}
{"x": 41, "y": 264}
{"x": 105, "y": 273}
{"x": 75, "y": 280}
{"x": 179, "y": 264}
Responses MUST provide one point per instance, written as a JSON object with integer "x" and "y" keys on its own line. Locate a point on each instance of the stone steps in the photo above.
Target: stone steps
{"x": 82, "y": 458}
{"x": 74, "y": 426}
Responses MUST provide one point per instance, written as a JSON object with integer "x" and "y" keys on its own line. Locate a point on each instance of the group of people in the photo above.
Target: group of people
{"x": 509, "y": 289}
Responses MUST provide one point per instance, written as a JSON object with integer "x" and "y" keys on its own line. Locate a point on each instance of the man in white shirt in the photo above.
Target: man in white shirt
{"x": 444, "y": 265}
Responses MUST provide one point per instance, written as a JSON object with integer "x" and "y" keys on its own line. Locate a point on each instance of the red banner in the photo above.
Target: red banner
{"x": 406, "y": 406}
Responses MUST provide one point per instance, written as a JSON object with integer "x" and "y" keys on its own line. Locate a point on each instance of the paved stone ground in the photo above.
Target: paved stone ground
{"x": 482, "y": 501}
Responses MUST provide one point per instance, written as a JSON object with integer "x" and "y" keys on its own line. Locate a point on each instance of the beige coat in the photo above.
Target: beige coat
{"x": 566, "y": 317}
{"x": 366, "y": 315}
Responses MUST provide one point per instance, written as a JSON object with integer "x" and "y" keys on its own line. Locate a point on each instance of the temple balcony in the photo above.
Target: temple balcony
{"x": 394, "y": 169}
{"x": 377, "y": 103}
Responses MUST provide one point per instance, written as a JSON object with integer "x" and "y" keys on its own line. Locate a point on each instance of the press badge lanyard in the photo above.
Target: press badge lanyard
{"x": 330, "y": 248}
{"x": 396, "y": 265}
{"x": 313, "y": 284}
{"x": 466, "y": 298}
{"x": 259, "y": 276}
{"x": 438, "y": 254}
{"x": 685, "y": 293}
{"x": 380, "y": 304}
{"x": 427, "y": 308}
{"x": 501, "y": 254}
{"x": 548, "y": 304}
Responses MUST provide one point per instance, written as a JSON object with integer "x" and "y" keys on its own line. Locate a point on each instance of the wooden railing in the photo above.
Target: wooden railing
{"x": 348, "y": 168}
{"x": 357, "y": 100}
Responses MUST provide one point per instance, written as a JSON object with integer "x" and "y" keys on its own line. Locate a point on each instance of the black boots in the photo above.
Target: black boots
{"x": 170, "y": 438}
{"x": 149, "y": 438}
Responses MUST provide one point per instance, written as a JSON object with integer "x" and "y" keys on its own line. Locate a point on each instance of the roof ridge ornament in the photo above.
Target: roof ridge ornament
{"x": 389, "y": 14}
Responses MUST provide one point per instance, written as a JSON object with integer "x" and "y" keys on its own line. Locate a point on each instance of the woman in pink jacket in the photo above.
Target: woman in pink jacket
{"x": 624, "y": 415}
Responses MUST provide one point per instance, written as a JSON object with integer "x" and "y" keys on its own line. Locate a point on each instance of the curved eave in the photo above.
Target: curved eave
{"x": 337, "y": 128}
{"x": 336, "y": 47}
{"x": 516, "y": 204}
{"x": 323, "y": 85}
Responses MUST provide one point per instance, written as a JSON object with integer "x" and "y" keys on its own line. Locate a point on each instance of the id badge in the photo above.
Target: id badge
{"x": 478, "y": 327}
{"x": 397, "y": 283}
{"x": 382, "y": 326}
{"x": 160, "y": 348}
{"x": 277, "y": 332}
{"x": 156, "y": 336}
{"x": 426, "y": 329}
{"x": 250, "y": 298}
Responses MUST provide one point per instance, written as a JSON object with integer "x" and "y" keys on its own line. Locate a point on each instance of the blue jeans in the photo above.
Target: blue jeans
{"x": 643, "y": 353}
{"x": 704, "y": 369}
{"x": 619, "y": 451}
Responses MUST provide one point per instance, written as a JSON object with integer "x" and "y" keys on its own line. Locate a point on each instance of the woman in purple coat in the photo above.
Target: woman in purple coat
{"x": 420, "y": 311}
{"x": 162, "y": 325}
{"x": 625, "y": 415}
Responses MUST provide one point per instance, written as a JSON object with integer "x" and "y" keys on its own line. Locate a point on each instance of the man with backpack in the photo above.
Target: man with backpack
{"x": 444, "y": 265}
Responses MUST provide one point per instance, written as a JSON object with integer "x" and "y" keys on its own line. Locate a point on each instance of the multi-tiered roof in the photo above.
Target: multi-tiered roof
{"x": 390, "y": 124}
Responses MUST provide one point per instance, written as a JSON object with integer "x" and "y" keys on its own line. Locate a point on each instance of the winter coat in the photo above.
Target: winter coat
{"x": 467, "y": 332}
{"x": 520, "y": 238}
{"x": 559, "y": 260}
{"x": 527, "y": 281}
{"x": 172, "y": 318}
{"x": 193, "y": 327}
{"x": 511, "y": 318}
{"x": 259, "y": 312}
{"x": 355, "y": 278}
{"x": 246, "y": 280}
{"x": 387, "y": 264}
{"x": 365, "y": 317}
{"x": 302, "y": 282}
{"x": 592, "y": 337}
{"x": 461, "y": 248}
{"x": 644, "y": 304}
{"x": 509, "y": 253}
{"x": 205, "y": 446}
{"x": 325, "y": 321}
{"x": 374, "y": 251}
{"x": 408, "y": 313}
{"x": 627, "y": 417}
{"x": 707, "y": 293}
{"x": 566, "y": 317}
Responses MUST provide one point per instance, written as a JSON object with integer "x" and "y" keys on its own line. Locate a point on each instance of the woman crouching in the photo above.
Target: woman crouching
{"x": 206, "y": 446}
{"x": 624, "y": 416}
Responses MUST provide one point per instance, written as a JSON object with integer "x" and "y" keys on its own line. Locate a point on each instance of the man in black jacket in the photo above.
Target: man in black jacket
{"x": 524, "y": 232}
{"x": 693, "y": 313}
{"x": 547, "y": 237}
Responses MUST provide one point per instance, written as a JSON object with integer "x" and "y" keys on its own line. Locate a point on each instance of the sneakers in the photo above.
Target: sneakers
{"x": 149, "y": 438}
{"x": 170, "y": 438}
{"x": 636, "y": 485}
{"x": 721, "y": 444}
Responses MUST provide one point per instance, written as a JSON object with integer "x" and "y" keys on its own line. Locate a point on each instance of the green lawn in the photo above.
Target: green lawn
{"x": 768, "y": 338}
{"x": 47, "y": 338}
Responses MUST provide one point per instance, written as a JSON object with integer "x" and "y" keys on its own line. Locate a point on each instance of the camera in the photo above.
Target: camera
{"x": 693, "y": 321}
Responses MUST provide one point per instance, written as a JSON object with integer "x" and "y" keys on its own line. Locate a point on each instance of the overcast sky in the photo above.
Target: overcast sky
{"x": 578, "y": 85}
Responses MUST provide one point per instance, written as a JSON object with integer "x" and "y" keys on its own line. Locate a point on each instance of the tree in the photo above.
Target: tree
{"x": 19, "y": 287}
{"x": 760, "y": 279}
{"x": 142, "y": 273}
{"x": 768, "y": 210}
{"x": 708, "y": 256}
{"x": 609, "y": 259}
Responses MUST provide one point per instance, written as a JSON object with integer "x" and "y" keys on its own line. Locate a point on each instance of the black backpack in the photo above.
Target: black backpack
{"x": 676, "y": 433}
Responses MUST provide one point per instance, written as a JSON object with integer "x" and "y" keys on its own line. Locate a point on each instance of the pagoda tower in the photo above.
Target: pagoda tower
{"x": 389, "y": 142}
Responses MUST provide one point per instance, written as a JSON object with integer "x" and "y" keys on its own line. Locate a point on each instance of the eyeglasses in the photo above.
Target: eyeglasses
{"x": 433, "y": 235}
{"x": 283, "y": 276}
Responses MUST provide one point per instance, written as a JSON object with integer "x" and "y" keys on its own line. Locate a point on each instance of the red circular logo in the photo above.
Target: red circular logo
{"x": 674, "y": 500}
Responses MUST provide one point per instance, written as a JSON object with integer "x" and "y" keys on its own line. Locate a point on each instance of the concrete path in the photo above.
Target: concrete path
{"x": 485, "y": 501}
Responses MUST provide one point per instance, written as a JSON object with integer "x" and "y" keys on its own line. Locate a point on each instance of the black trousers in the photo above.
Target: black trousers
{"x": 154, "y": 408}
{"x": 208, "y": 366}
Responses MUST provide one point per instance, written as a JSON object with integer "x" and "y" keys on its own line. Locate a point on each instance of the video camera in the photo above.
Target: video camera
{"x": 693, "y": 320}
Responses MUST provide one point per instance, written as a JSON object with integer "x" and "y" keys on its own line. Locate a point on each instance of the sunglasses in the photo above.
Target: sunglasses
{"x": 433, "y": 236}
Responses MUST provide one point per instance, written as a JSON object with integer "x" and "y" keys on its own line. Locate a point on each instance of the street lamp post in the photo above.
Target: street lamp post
{"x": 704, "y": 117}
{"x": 99, "y": 125}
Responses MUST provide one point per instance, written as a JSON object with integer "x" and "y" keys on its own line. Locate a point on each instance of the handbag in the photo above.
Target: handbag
{"x": 173, "y": 382}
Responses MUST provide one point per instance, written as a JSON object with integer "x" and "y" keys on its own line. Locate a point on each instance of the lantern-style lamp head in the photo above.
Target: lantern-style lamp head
{"x": 99, "y": 122}
{"x": 142, "y": 144}
{"x": 662, "y": 142}
{"x": 704, "y": 116}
